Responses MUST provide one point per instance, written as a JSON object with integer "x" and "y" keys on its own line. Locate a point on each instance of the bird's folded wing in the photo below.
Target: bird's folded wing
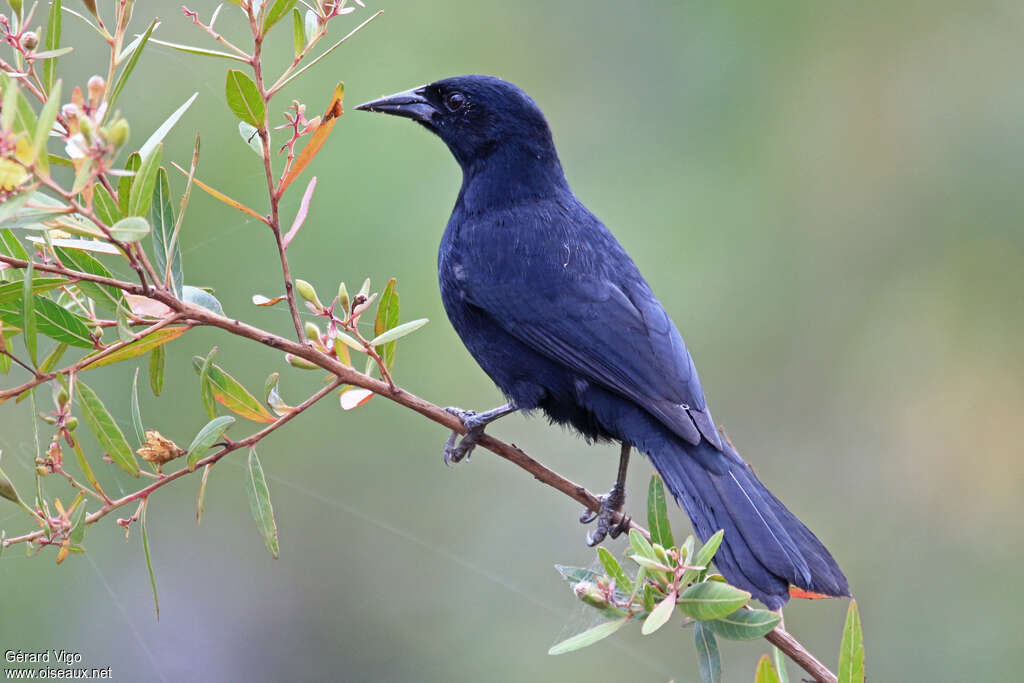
{"x": 616, "y": 335}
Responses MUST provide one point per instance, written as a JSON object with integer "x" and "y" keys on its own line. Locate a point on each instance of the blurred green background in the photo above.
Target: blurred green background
{"x": 825, "y": 196}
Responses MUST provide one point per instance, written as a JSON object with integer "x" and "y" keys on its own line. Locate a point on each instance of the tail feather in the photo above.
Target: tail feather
{"x": 765, "y": 548}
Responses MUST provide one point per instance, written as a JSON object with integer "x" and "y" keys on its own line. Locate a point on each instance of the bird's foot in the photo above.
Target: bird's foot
{"x": 611, "y": 503}
{"x": 457, "y": 449}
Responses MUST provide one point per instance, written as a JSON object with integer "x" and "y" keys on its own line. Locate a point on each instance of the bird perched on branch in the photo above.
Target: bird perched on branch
{"x": 558, "y": 315}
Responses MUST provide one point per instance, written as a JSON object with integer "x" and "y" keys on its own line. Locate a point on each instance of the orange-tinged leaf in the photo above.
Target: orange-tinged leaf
{"x": 330, "y": 117}
{"x": 230, "y": 393}
{"x": 221, "y": 196}
{"x": 353, "y": 398}
{"x": 141, "y": 305}
{"x": 143, "y": 345}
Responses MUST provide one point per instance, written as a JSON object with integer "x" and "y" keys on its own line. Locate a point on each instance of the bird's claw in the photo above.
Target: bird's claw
{"x": 611, "y": 503}
{"x": 457, "y": 449}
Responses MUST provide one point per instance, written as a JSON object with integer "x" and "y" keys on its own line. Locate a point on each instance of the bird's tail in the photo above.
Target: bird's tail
{"x": 765, "y": 548}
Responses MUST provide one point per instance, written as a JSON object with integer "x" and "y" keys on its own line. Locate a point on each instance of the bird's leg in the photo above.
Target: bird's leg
{"x": 455, "y": 449}
{"x": 611, "y": 503}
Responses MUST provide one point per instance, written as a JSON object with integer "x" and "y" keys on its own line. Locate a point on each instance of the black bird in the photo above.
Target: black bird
{"x": 558, "y": 315}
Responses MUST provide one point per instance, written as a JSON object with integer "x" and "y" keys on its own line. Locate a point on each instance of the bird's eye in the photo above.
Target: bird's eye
{"x": 454, "y": 101}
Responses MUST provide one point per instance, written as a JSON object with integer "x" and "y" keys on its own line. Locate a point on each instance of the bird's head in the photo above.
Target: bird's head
{"x": 475, "y": 116}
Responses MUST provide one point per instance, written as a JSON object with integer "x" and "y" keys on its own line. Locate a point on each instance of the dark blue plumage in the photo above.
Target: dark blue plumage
{"x": 559, "y": 316}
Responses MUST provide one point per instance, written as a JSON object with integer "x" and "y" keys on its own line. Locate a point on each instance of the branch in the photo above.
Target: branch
{"x": 347, "y": 375}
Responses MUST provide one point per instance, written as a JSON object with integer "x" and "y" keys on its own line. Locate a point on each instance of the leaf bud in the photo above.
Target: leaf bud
{"x": 343, "y": 297}
{"x": 307, "y": 292}
{"x": 591, "y": 594}
{"x": 62, "y": 397}
{"x": 312, "y": 331}
{"x": 301, "y": 363}
{"x": 71, "y": 424}
{"x": 117, "y": 133}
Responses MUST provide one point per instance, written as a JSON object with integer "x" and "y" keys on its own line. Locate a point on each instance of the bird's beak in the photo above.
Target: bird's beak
{"x": 411, "y": 104}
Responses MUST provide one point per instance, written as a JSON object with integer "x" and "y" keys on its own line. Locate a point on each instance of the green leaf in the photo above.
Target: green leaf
{"x": 745, "y": 624}
{"x": 765, "y": 672}
{"x": 614, "y": 570}
{"x": 7, "y": 489}
{"x": 10, "y": 104}
{"x": 244, "y": 98}
{"x": 151, "y": 342}
{"x": 105, "y": 296}
{"x": 104, "y": 205}
{"x": 149, "y": 560}
{"x": 206, "y": 437}
{"x": 388, "y": 338}
{"x": 200, "y": 297}
{"x": 259, "y": 502}
{"x": 53, "y": 26}
{"x": 231, "y": 394}
{"x": 576, "y": 574}
{"x": 77, "y": 533}
{"x": 251, "y": 137}
{"x": 641, "y": 545}
{"x": 42, "y": 133}
{"x": 851, "y": 650}
{"x": 160, "y": 133}
{"x": 588, "y": 637}
{"x": 28, "y": 314}
{"x": 200, "y": 501}
{"x": 131, "y": 229}
{"x": 157, "y": 359}
{"x": 298, "y": 32}
{"x": 780, "y": 665}
{"x": 709, "y": 663}
{"x": 145, "y": 180}
{"x": 312, "y": 24}
{"x": 205, "y": 386}
{"x": 278, "y": 10}
{"x": 106, "y": 431}
{"x": 10, "y": 245}
{"x": 657, "y": 513}
{"x": 60, "y": 324}
{"x": 129, "y": 66}
{"x": 712, "y": 600}
{"x": 83, "y": 464}
{"x": 140, "y": 432}
{"x": 660, "y": 615}
{"x": 125, "y": 182}
{"x": 191, "y": 49}
{"x": 703, "y": 557}
{"x": 50, "y": 362}
{"x": 161, "y": 216}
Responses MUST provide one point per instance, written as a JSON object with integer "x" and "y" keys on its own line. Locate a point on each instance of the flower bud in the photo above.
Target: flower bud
{"x": 85, "y": 125}
{"x": 312, "y": 331}
{"x": 591, "y": 594}
{"x": 42, "y": 470}
{"x": 62, "y": 397}
{"x": 307, "y": 292}
{"x": 29, "y": 40}
{"x": 71, "y": 424}
{"x": 301, "y": 363}
{"x": 96, "y": 86}
{"x": 69, "y": 110}
{"x": 117, "y": 133}
{"x": 343, "y": 298}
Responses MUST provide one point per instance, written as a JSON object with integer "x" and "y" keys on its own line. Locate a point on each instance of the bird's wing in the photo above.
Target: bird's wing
{"x": 606, "y": 325}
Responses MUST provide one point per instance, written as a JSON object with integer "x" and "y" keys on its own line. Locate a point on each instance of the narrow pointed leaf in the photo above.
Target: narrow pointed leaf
{"x": 126, "y": 71}
{"x": 745, "y": 624}
{"x": 150, "y": 342}
{"x": 259, "y": 502}
{"x": 588, "y": 637}
{"x": 29, "y": 315}
{"x": 244, "y": 98}
{"x": 298, "y": 33}
{"x": 300, "y": 217}
{"x": 140, "y": 432}
{"x": 149, "y": 559}
{"x": 83, "y": 464}
{"x": 657, "y": 513}
{"x": 709, "y": 663}
{"x": 160, "y": 133}
{"x": 230, "y": 393}
{"x": 42, "y": 133}
{"x": 277, "y": 11}
{"x": 53, "y": 26}
{"x": 10, "y": 245}
{"x": 320, "y": 135}
{"x": 125, "y": 182}
{"x": 106, "y": 431}
{"x": 217, "y": 194}
{"x": 77, "y": 533}
{"x": 765, "y": 672}
{"x": 201, "y": 499}
{"x": 50, "y": 362}
{"x": 15, "y": 291}
{"x": 780, "y": 664}
{"x": 157, "y": 359}
{"x": 199, "y": 50}
{"x": 145, "y": 180}
{"x": 576, "y": 574}
{"x": 162, "y": 220}
{"x": 10, "y": 104}
{"x": 641, "y": 545}
{"x": 211, "y": 432}
{"x": 614, "y": 570}
{"x": 712, "y": 600}
{"x": 205, "y": 386}
{"x": 396, "y": 333}
{"x": 660, "y": 615}
{"x": 851, "y": 650}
